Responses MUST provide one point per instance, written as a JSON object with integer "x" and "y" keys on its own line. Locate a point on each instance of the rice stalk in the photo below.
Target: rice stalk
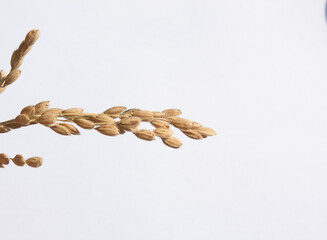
{"x": 113, "y": 121}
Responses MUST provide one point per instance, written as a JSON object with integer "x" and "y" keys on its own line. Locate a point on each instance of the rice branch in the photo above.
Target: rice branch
{"x": 114, "y": 121}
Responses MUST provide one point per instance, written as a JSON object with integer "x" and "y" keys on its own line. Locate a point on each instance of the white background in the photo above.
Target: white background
{"x": 255, "y": 71}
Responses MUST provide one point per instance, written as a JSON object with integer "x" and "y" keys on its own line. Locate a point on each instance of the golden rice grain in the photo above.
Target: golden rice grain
{"x": 163, "y": 132}
{"x": 157, "y": 123}
{"x": 205, "y": 131}
{"x": 145, "y": 134}
{"x": 60, "y": 129}
{"x": 24, "y": 48}
{"x": 4, "y": 159}
{"x": 130, "y": 123}
{"x": 72, "y": 111}
{"x": 181, "y": 123}
{"x": 172, "y": 112}
{"x": 109, "y": 130}
{"x": 192, "y": 133}
{"x": 31, "y": 37}
{"x": 22, "y": 119}
{"x": 83, "y": 123}
{"x": 146, "y": 116}
{"x": 53, "y": 110}
{"x": 172, "y": 142}
{"x": 19, "y": 160}
{"x": 16, "y": 59}
{"x": 73, "y": 130}
{"x": 34, "y": 162}
{"x": 128, "y": 112}
{"x": 12, "y": 76}
{"x": 196, "y": 125}
{"x": 104, "y": 118}
{"x": 47, "y": 119}
{"x": 28, "y": 111}
{"x": 158, "y": 114}
{"x": 115, "y": 110}
{"x": 41, "y": 107}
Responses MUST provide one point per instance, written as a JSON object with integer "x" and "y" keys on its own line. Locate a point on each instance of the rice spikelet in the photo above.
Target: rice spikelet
{"x": 4, "y": 159}
{"x": 22, "y": 119}
{"x": 72, "y": 111}
{"x": 60, "y": 129}
{"x": 47, "y": 119}
{"x": 172, "y": 112}
{"x": 205, "y": 131}
{"x": 163, "y": 132}
{"x": 19, "y": 160}
{"x": 172, "y": 142}
{"x": 115, "y": 110}
{"x": 41, "y": 107}
{"x": 83, "y": 123}
{"x": 34, "y": 162}
{"x": 157, "y": 123}
{"x": 73, "y": 130}
{"x": 12, "y": 76}
{"x": 28, "y": 110}
{"x": 192, "y": 133}
{"x": 146, "y": 116}
{"x": 110, "y": 130}
{"x": 145, "y": 134}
